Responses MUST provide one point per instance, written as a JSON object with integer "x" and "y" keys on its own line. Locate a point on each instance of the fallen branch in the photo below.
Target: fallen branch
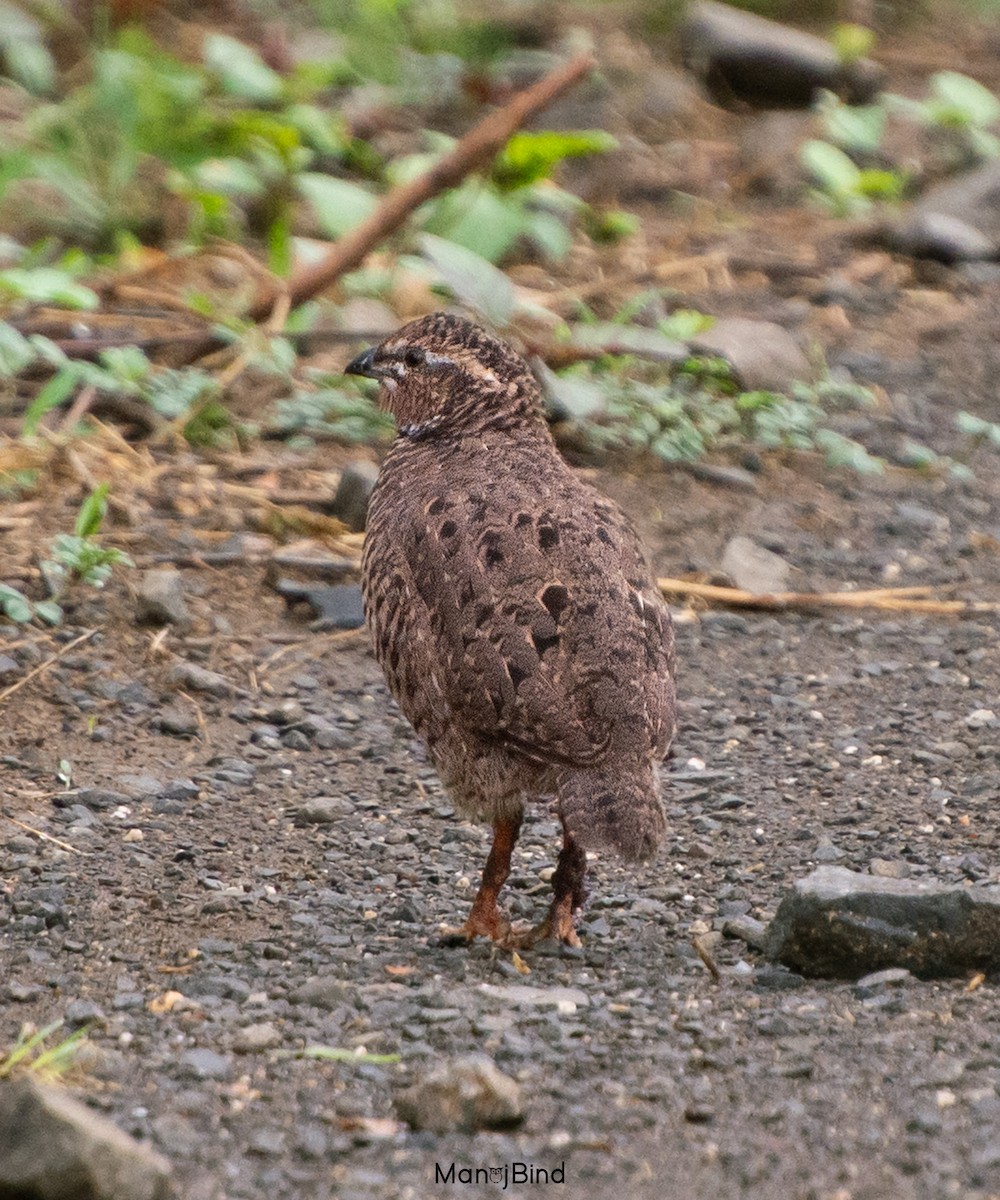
{"x": 477, "y": 147}
{"x": 910, "y": 599}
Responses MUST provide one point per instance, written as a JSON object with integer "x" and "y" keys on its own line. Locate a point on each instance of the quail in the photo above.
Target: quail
{"x": 514, "y": 615}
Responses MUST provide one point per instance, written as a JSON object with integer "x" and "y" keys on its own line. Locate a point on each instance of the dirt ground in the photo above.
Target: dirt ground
{"x": 191, "y": 911}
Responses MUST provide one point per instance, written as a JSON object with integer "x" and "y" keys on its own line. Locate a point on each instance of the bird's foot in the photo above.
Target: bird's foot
{"x": 483, "y": 921}
{"x": 558, "y": 925}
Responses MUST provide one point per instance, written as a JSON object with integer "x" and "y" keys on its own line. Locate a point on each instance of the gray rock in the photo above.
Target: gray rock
{"x": 350, "y": 501}
{"x": 754, "y": 568}
{"x": 96, "y": 799}
{"x": 737, "y": 479}
{"x": 159, "y": 598}
{"x": 54, "y": 1148}
{"x": 762, "y": 354}
{"x": 747, "y": 929}
{"x": 843, "y": 924}
{"x": 191, "y": 676}
{"x": 323, "y": 991}
{"x": 465, "y": 1094}
{"x": 744, "y": 59}
{"x": 202, "y": 1063}
{"x": 563, "y": 999}
{"x": 8, "y": 666}
{"x": 177, "y": 721}
{"x": 323, "y": 810}
{"x": 955, "y": 221}
{"x": 252, "y": 1039}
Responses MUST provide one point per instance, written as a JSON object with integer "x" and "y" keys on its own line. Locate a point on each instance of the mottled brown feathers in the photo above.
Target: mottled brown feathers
{"x": 511, "y": 605}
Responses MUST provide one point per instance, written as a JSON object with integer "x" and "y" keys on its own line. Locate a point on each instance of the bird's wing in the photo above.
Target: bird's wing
{"x": 547, "y": 624}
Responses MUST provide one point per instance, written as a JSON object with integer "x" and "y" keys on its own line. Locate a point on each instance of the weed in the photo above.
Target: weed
{"x": 698, "y": 408}
{"x": 31, "y": 1056}
{"x": 78, "y": 555}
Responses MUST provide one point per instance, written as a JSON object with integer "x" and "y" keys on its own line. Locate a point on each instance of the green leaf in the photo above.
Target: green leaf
{"x": 967, "y": 97}
{"x": 977, "y": 427}
{"x": 478, "y": 218}
{"x": 49, "y": 611}
{"x": 844, "y": 452}
{"x": 338, "y": 1054}
{"x": 46, "y": 285}
{"x": 55, "y": 392}
{"x": 338, "y": 205}
{"x": 15, "y": 605}
{"x": 240, "y": 69}
{"x": 858, "y": 127}
{"x": 92, "y": 512}
{"x": 15, "y": 351}
{"x": 830, "y": 166}
{"x": 529, "y": 157}
{"x": 852, "y": 42}
{"x": 473, "y": 280}
{"x": 685, "y": 324}
{"x": 31, "y": 65}
{"x": 549, "y": 233}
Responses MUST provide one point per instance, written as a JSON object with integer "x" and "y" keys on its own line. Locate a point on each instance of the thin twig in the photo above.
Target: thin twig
{"x": 49, "y": 662}
{"x": 703, "y": 952}
{"x": 885, "y": 599}
{"x": 46, "y": 837}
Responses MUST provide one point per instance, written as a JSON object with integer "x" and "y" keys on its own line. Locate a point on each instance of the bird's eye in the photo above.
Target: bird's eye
{"x": 413, "y": 357}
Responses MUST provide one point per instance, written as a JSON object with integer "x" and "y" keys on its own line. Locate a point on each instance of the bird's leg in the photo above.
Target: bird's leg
{"x": 485, "y": 919}
{"x": 569, "y": 893}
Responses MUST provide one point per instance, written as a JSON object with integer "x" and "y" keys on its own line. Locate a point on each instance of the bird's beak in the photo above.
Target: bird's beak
{"x": 364, "y": 364}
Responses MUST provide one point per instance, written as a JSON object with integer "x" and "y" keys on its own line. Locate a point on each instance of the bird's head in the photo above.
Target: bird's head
{"x": 443, "y": 373}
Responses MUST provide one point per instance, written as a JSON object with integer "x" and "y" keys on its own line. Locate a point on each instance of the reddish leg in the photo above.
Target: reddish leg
{"x": 485, "y": 919}
{"x": 568, "y": 896}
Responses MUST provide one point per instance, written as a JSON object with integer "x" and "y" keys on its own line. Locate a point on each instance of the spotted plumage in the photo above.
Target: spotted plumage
{"x": 513, "y": 613}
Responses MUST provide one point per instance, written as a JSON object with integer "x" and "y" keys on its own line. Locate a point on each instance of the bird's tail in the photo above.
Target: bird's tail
{"x": 608, "y": 808}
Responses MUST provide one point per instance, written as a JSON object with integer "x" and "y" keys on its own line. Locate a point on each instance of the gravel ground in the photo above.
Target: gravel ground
{"x": 243, "y": 876}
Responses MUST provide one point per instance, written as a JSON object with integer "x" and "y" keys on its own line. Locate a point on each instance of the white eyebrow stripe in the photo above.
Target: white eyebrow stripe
{"x": 438, "y": 360}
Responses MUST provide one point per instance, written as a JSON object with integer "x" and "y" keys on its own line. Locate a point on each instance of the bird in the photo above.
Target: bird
{"x": 514, "y": 614}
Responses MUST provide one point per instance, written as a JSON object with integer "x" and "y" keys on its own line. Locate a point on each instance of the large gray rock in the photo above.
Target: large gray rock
{"x": 958, "y": 220}
{"x": 754, "y": 568}
{"x": 843, "y": 924}
{"x": 742, "y": 59}
{"x": 764, "y": 356}
{"x": 54, "y": 1148}
{"x": 467, "y": 1093}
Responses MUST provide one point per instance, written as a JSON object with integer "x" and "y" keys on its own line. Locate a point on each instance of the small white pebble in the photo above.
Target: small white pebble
{"x": 133, "y": 835}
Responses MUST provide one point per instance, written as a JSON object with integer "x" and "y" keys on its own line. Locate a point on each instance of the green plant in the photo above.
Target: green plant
{"x": 982, "y": 432}
{"x": 696, "y": 408}
{"x": 331, "y": 410}
{"x": 78, "y": 555}
{"x": 959, "y": 111}
{"x": 30, "y": 1056}
{"x": 842, "y": 186}
{"x": 16, "y": 606}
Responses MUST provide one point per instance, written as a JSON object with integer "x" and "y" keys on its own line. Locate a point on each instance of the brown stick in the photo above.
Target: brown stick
{"x": 886, "y": 599}
{"x": 45, "y": 666}
{"x": 479, "y": 145}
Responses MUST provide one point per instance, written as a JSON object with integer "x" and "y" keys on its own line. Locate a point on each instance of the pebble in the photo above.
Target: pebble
{"x": 160, "y": 599}
{"x": 252, "y": 1039}
{"x": 203, "y": 1063}
{"x": 464, "y": 1094}
{"x": 323, "y": 810}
